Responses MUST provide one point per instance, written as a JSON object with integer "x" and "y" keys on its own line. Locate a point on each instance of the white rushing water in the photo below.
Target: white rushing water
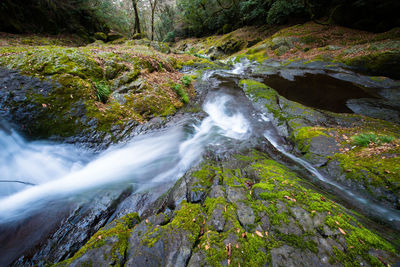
{"x": 61, "y": 171}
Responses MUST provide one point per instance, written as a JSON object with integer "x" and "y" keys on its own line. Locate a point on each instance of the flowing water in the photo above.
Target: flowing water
{"x": 35, "y": 175}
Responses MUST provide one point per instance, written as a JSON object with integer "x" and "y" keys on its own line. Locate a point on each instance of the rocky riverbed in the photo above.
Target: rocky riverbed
{"x": 249, "y": 172}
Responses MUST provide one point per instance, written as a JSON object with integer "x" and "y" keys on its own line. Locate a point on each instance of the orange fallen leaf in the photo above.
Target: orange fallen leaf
{"x": 259, "y": 234}
{"x": 206, "y": 247}
{"x": 341, "y": 230}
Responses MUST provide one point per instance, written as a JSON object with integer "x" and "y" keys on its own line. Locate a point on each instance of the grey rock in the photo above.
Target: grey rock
{"x": 217, "y": 219}
{"x": 217, "y": 191}
{"x": 198, "y": 259}
{"x": 171, "y": 248}
{"x": 303, "y": 218}
{"x": 245, "y": 214}
{"x": 234, "y": 194}
{"x": 289, "y": 256}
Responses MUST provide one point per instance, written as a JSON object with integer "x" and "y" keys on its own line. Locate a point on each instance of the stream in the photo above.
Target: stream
{"x": 47, "y": 182}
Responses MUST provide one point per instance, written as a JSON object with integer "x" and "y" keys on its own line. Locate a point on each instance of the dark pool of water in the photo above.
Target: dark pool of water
{"x": 318, "y": 91}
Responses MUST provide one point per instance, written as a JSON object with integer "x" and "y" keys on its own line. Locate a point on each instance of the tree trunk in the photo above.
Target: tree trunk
{"x": 137, "y": 22}
{"x": 152, "y": 24}
{"x": 153, "y": 5}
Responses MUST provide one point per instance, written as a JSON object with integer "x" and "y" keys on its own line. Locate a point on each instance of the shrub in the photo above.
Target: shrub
{"x": 282, "y": 10}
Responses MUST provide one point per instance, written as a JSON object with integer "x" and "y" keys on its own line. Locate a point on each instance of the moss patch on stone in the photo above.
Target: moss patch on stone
{"x": 99, "y": 90}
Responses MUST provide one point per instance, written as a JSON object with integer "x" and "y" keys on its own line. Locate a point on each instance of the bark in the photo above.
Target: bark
{"x": 153, "y": 5}
{"x": 137, "y": 22}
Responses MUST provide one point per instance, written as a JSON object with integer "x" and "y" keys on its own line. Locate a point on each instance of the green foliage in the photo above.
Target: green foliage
{"x": 365, "y": 139}
{"x": 181, "y": 92}
{"x": 170, "y": 37}
{"x": 103, "y": 91}
{"x": 282, "y": 10}
{"x": 186, "y": 80}
{"x": 83, "y": 17}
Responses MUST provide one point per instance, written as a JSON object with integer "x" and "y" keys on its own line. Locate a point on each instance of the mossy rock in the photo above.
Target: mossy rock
{"x": 288, "y": 219}
{"x": 79, "y": 105}
{"x": 379, "y": 64}
{"x": 100, "y": 36}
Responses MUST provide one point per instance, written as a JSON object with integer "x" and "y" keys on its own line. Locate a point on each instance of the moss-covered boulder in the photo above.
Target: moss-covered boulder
{"x": 326, "y": 140}
{"x": 375, "y": 54}
{"x": 385, "y": 63}
{"x": 220, "y": 47}
{"x": 89, "y": 94}
{"x": 254, "y": 212}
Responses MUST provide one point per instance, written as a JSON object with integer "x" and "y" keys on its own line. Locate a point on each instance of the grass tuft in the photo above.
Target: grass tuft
{"x": 181, "y": 92}
{"x": 103, "y": 91}
{"x": 365, "y": 139}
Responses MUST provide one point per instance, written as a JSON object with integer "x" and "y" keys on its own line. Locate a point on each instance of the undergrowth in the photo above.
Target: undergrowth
{"x": 365, "y": 139}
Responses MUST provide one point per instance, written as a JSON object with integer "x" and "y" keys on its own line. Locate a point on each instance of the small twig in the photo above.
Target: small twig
{"x": 16, "y": 181}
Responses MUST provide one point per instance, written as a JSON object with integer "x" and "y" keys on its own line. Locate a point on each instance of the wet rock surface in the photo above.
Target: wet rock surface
{"x": 326, "y": 140}
{"x": 239, "y": 207}
{"x": 69, "y": 232}
{"x": 275, "y": 221}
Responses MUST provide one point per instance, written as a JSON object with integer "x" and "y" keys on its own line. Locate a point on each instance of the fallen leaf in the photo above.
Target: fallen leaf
{"x": 243, "y": 235}
{"x": 147, "y": 221}
{"x": 99, "y": 237}
{"x": 259, "y": 234}
{"x": 341, "y": 230}
{"x": 266, "y": 233}
{"x": 337, "y": 222}
{"x": 44, "y": 105}
{"x": 238, "y": 230}
{"x": 206, "y": 247}
{"x": 237, "y": 246}
{"x": 229, "y": 249}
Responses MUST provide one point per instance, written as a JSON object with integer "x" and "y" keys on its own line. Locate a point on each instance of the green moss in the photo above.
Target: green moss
{"x": 121, "y": 229}
{"x": 373, "y": 170}
{"x": 380, "y": 63}
{"x": 359, "y": 241}
{"x": 188, "y": 218}
{"x": 87, "y": 74}
{"x": 304, "y": 135}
